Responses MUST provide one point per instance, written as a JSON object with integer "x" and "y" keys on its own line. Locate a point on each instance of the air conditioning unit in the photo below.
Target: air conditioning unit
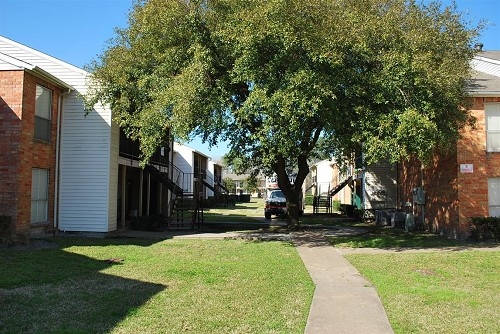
{"x": 409, "y": 222}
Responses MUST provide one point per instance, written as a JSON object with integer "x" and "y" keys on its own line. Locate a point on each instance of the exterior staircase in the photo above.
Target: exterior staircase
{"x": 221, "y": 196}
{"x": 340, "y": 186}
{"x": 322, "y": 204}
{"x": 186, "y": 203}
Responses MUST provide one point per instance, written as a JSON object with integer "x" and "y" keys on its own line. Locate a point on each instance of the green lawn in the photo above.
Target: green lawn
{"x": 237, "y": 286}
{"x": 241, "y": 212}
{"x": 448, "y": 291}
{"x": 378, "y": 237}
{"x": 173, "y": 286}
{"x": 443, "y": 292}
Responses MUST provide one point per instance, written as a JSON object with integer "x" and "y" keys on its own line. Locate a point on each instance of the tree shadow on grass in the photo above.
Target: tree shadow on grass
{"x": 55, "y": 291}
{"x": 399, "y": 239}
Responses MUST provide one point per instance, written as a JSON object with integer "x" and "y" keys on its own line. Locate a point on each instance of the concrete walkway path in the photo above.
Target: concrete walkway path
{"x": 343, "y": 302}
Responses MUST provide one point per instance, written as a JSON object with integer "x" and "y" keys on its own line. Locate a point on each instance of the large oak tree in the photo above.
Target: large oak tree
{"x": 283, "y": 79}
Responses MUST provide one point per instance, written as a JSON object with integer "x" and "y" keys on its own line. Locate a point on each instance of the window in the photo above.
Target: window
{"x": 492, "y": 111}
{"x": 39, "y": 195}
{"x": 43, "y": 108}
{"x": 494, "y": 196}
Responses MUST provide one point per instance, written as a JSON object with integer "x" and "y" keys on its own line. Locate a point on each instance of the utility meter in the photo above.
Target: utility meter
{"x": 418, "y": 196}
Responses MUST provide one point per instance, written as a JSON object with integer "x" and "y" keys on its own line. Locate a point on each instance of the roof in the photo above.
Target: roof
{"x": 8, "y": 63}
{"x": 23, "y": 56}
{"x": 484, "y": 84}
{"x": 490, "y": 54}
{"x": 486, "y": 74}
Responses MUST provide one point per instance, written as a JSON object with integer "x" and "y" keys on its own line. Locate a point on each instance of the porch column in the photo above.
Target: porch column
{"x": 160, "y": 198}
{"x": 148, "y": 196}
{"x": 141, "y": 186}
{"x": 124, "y": 194}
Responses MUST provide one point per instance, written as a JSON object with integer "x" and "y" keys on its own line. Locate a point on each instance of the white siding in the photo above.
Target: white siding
{"x": 324, "y": 177}
{"x": 210, "y": 177}
{"x": 183, "y": 158}
{"x": 380, "y": 188}
{"x": 486, "y": 65}
{"x": 86, "y": 201}
{"x": 87, "y": 176}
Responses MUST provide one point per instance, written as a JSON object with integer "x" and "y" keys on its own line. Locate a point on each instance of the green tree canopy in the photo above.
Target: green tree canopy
{"x": 272, "y": 77}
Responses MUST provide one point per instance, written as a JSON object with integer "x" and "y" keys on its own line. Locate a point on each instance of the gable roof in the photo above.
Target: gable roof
{"x": 8, "y": 63}
{"x": 486, "y": 74}
{"x": 23, "y": 56}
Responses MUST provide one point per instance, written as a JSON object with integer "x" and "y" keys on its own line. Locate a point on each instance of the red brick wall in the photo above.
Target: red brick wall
{"x": 440, "y": 185}
{"x": 25, "y": 153}
{"x": 11, "y": 83}
{"x": 454, "y": 197}
{"x": 473, "y": 187}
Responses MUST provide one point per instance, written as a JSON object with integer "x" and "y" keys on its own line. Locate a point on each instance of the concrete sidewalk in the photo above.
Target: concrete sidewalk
{"x": 343, "y": 302}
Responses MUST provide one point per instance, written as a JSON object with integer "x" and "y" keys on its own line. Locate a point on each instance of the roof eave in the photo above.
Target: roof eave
{"x": 49, "y": 77}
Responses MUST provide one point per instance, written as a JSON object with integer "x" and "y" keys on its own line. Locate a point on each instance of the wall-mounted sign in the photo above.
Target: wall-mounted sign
{"x": 466, "y": 168}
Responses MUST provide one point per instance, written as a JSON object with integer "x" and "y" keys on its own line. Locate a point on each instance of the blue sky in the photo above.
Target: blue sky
{"x": 76, "y": 31}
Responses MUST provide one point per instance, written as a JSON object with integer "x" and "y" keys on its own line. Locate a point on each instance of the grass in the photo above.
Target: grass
{"x": 444, "y": 292}
{"x": 430, "y": 292}
{"x": 242, "y": 212}
{"x": 254, "y": 212}
{"x": 379, "y": 237}
{"x": 173, "y": 286}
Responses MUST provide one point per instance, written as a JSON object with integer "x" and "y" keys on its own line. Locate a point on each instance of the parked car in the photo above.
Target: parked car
{"x": 275, "y": 204}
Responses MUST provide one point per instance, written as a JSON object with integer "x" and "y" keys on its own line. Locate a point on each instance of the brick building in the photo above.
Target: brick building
{"x": 29, "y": 109}
{"x": 63, "y": 168}
{"x": 466, "y": 182}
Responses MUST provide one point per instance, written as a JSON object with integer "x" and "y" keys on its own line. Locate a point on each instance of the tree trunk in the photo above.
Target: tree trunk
{"x": 293, "y": 208}
{"x": 292, "y": 192}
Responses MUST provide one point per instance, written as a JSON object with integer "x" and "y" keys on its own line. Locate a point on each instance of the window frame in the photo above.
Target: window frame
{"x": 492, "y": 110}
{"x": 43, "y": 117}
{"x": 39, "y": 195}
{"x": 494, "y": 203}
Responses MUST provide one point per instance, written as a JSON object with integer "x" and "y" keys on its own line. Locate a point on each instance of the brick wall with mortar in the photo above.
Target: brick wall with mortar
{"x": 453, "y": 197}
{"x": 473, "y": 187}
{"x": 18, "y": 93}
{"x": 11, "y": 94}
{"x": 440, "y": 211}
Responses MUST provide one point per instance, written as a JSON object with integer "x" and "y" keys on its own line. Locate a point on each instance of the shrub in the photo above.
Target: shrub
{"x": 347, "y": 210}
{"x": 485, "y": 228}
{"x": 308, "y": 200}
{"x": 147, "y": 223}
{"x": 5, "y": 222}
{"x": 335, "y": 205}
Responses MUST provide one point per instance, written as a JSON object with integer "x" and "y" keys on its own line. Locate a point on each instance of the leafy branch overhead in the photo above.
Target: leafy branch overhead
{"x": 284, "y": 81}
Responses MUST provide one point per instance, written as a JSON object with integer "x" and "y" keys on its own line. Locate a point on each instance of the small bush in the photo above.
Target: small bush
{"x": 335, "y": 205}
{"x": 5, "y": 222}
{"x": 210, "y": 202}
{"x": 347, "y": 210}
{"x": 147, "y": 223}
{"x": 308, "y": 200}
{"x": 485, "y": 228}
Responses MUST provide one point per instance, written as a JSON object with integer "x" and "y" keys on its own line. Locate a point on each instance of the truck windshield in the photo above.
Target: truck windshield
{"x": 277, "y": 194}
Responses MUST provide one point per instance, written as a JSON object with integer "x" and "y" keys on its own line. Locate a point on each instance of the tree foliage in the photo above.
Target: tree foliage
{"x": 280, "y": 79}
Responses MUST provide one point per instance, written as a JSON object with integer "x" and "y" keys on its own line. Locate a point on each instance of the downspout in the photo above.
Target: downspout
{"x": 58, "y": 144}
